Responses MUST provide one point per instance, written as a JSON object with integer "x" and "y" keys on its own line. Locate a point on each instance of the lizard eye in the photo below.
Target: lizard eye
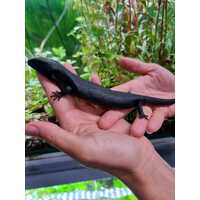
{"x": 53, "y": 76}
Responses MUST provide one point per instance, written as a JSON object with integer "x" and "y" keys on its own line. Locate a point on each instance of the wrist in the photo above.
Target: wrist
{"x": 153, "y": 179}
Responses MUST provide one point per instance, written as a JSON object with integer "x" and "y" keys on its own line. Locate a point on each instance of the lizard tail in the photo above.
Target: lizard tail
{"x": 158, "y": 101}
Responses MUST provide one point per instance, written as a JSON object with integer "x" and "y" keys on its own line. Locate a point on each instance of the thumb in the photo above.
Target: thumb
{"x": 54, "y": 135}
{"x": 96, "y": 79}
{"x": 135, "y": 65}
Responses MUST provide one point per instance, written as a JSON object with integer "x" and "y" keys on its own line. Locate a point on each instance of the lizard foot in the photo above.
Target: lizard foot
{"x": 56, "y": 95}
{"x": 141, "y": 116}
{"x": 141, "y": 112}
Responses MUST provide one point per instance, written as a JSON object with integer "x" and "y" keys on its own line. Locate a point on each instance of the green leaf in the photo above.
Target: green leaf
{"x": 59, "y": 52}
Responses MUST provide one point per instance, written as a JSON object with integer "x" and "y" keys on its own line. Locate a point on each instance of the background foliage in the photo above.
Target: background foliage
{"x": 108, "y": 29}
{"x": 41, "y": 16}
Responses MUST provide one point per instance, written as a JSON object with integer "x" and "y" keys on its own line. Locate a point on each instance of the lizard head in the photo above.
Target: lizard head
{"x": 46, "y": 67}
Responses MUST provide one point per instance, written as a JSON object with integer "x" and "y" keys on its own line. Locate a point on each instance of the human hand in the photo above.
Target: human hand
{"x": 113, "y": 150}
{"x": 81, "y": 137}
{"x": 157, "y": 82}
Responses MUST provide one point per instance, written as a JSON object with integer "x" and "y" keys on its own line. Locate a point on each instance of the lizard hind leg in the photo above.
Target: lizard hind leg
{"x": 57, "y": 95}
{"x": 141, "y": 111}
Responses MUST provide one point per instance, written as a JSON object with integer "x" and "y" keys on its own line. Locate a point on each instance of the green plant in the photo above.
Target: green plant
{"x": 95, "y": 185}
{"x": 35, "y": 96}
{"x": 95, "y": 34}
{"x": 35, "y": 99}
{"x": 54, "y": 19}
{"x": 108, "y": 29}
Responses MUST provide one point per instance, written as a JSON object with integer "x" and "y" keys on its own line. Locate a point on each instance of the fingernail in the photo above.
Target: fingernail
{"x": 32, "y": 130}
{"x": 148, "y": 132}
{"x": 102, "y": 124}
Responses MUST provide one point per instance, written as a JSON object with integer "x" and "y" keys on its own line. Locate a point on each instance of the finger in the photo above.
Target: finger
{"x": 139, "y": 126}
{"x": 70, "y": 68}
{"x": 95, "y": 79}
{"x": 49, "y": 86}
{"x": 135, "y": 65}
{"x": 88, "y": 106}
{"x": 54, "y": 135}
{"x": 122, "y": 126}
{"x": 156, "y": 120}
{"x": 63, "y": 105}
{"x": 125, "y": 87}
{"x": 109, "y": 118}
{"x": 170, "y": 111}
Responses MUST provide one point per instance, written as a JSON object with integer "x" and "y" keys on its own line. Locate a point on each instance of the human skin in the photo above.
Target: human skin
{"x": 155, "y": 81}
{"x": 133, "y": 160}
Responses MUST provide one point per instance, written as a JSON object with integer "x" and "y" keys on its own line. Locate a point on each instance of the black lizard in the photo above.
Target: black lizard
{"x": 71, "y": 84}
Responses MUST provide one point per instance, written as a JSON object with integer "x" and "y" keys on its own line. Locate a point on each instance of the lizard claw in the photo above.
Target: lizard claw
{"x": 56, "y": 95}
{"x": 141, "y": 116}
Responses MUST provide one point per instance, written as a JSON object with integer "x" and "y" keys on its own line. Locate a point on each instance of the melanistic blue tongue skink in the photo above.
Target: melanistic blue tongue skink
{"x": 71, "y": 84}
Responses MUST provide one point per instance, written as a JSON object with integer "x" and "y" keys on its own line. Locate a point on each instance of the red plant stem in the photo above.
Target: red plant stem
{"x": 130, "y": 16}
{"x": 157, "y": 19}
{"x": 161, "y": 32}
{"x": 135, "y": 19}
{"x": 166, "y": 19}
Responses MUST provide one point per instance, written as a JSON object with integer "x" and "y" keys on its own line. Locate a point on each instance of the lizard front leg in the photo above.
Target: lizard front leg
{"x": 57, "y": 95}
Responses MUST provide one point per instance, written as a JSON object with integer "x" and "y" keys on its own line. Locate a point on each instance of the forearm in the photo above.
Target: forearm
{"x": 155, "y": 181}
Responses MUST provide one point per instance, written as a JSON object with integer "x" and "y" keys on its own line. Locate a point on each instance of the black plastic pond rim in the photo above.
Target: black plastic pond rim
{"x": 58, "y": 168}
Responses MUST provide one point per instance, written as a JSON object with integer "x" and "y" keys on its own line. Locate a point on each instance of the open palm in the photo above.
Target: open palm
{"x": 155, "y": 81}
{"x": 113, "y": 150}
